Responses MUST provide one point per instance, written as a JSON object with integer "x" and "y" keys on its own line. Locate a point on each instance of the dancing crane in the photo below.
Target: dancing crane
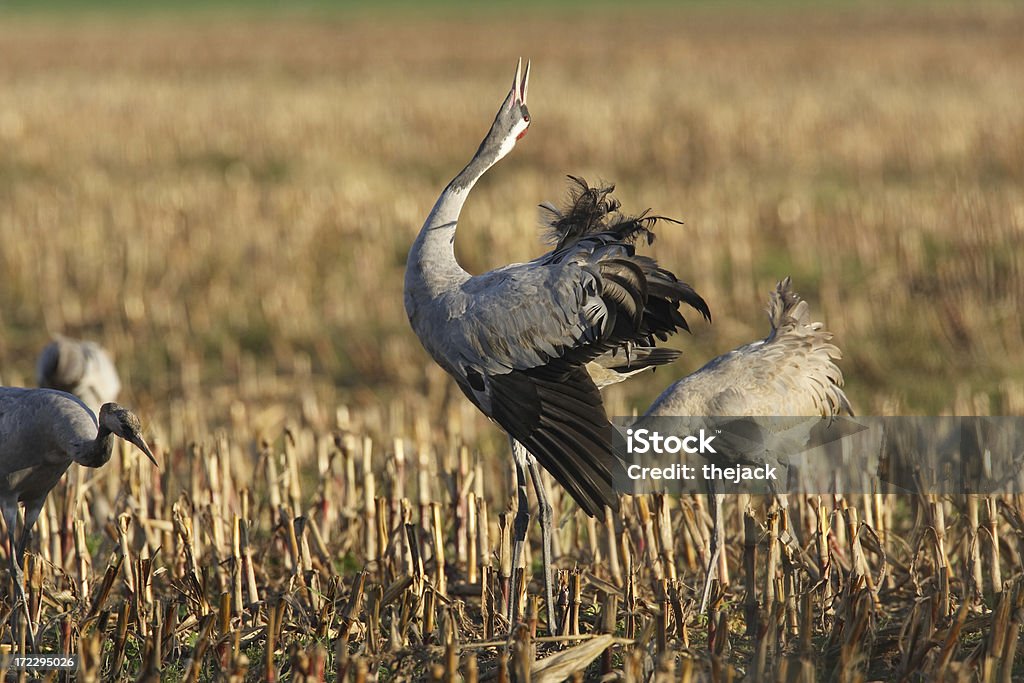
{"x": 517, "y": 339}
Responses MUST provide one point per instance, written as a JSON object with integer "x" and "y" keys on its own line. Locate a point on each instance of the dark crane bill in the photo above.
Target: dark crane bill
{"x": 144, "y": 447}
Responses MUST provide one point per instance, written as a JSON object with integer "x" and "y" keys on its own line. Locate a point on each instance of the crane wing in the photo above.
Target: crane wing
{"x": 577, "y": 305}
{"x": 523, "y": 340}
{"x": 555, "y": 411}
{"x": 526, "y": 332}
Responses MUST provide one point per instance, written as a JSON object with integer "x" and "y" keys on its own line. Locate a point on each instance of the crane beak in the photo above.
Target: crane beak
{"x": 520, "y": 83}
{"x": 144, "y": 447}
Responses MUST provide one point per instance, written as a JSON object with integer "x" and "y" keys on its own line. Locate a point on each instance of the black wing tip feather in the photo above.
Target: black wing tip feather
{"x": 556, "y": 412}
{"x": 695, "y": 301}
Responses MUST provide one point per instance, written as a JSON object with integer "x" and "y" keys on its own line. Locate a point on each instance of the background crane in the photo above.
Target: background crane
{"x": 82, "y": 368}
{"x": 517, "y": 339}
{"x": 792, "y": 372}
{"x": 42, "y": 431}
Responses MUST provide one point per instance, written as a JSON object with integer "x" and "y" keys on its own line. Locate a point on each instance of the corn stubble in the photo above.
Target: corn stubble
{"x": 260, "y": 562}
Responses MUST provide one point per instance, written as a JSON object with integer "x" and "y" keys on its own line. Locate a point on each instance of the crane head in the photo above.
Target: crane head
{"x": 513, "y": 119}
{"x": 124, "y": 423}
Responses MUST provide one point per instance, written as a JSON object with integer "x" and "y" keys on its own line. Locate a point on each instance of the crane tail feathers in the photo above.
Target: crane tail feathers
{"x": 791, "y": 324}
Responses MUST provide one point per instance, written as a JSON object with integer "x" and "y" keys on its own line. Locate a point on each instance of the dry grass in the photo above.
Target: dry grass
{"x": 227, "y": 206}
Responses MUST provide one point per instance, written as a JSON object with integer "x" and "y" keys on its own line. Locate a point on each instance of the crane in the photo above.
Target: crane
{"x": 790, "y": 373}
{"x": 517, "y": 339}
{"x": 82, "y": 368}
{"x": 42, "y": 431}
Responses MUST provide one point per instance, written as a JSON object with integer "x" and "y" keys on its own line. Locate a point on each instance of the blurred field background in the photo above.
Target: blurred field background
{"x": 226, "y": 199}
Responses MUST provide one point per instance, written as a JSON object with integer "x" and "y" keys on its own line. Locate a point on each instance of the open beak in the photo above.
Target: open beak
{"x": 520, "y": 83}
{"x": 141, "y": 443}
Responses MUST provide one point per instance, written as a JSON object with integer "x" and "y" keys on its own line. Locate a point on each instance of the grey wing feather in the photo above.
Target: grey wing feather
{"x": 619, "y": 364}
{"x": 579, "y": 303}
{"x": 522, "y": 316}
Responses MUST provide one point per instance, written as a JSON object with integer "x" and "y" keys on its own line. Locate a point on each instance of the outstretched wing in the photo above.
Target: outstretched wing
{"x": 520, "y": 336}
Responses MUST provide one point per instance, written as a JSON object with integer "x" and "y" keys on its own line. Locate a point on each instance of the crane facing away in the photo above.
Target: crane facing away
{"x": 82, "y": 368}
{"x": 42, "y": 431}
{"x": 790, "y": 373}
{"x": 517, "y": 340}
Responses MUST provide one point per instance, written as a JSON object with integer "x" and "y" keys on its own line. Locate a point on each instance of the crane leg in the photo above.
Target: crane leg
{"x": 10, "y": 514}
{"x": 32, "y": 510}
{"x": 546, "y": 530}
{"x": 520, "y": 526}
{"x": 715, "y": 500}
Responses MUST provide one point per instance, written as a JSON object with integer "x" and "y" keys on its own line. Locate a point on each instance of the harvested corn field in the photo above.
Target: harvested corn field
{"x": 227, "y": 202}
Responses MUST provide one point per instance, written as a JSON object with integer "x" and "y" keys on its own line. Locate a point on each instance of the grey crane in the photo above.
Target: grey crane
{"x": 517, "y": 339}
{"x": 42, "y": 431}
{"x": 82, "y": 368}
{"x": 792, "y": 372}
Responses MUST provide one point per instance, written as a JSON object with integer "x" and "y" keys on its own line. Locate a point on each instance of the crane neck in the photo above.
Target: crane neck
{"x": 432, "y": 268}
{"x": 97, "y": 452}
